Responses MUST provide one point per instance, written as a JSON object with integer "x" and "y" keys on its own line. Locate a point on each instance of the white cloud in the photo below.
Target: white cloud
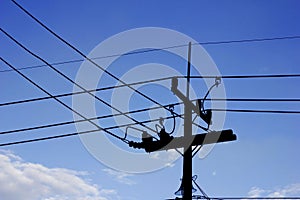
{"x": 287, "y": 191}
{"x": 121, "y": 177}
{"x": 109, "y": 194}
{"x": 167, "y": 156}
{"x": 30, "y": 181}
{"x": 256, "y": 192}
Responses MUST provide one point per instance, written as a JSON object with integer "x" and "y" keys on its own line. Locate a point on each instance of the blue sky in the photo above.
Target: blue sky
{"x": 264, "y": 160}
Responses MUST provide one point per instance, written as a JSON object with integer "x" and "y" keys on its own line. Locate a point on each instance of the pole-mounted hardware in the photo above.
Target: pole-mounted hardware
{"x": 166, "y": 141}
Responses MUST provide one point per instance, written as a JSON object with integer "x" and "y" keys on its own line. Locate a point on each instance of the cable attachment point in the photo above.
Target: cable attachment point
{"x": 164, "y": 136}
{"x": 171, "y": 108}
{"x": 161, "y": 121}
{"x": 206, "y": 114}
{"x": 218, "y": 81}
{"x": 147, "y": 140}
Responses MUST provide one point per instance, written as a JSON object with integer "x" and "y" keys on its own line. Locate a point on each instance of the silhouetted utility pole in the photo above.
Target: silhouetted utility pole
{"x": 187, "y": 156}
{"x": 186, "y": 142}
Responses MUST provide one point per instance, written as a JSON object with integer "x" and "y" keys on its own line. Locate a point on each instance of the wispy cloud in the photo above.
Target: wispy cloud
{"x": 167, "y": 156}
{"x": 31, "y": 181}
{"x": 286, "y": 191}
{"x": 121, "y": 177}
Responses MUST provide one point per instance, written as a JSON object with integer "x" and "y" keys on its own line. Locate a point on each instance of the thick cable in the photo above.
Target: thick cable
{"x": 240, "y": 198}
{"x": 257, "y": 111}
{"x": 246, "y": 76}
{"x": 79, "y": 121}
{"x": 91, "y": 61}
{"x": 81, "y": 92}
{"x": 78, "y": 133}
{"x": 70, "y": 80}
{"x": 59, "y": 101}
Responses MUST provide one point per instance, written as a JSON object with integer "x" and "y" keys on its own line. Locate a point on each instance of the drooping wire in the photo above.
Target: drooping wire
{"x": 158, "y": 107}
{"x": 174, "y": 119}
{"x": 248, "y": 76}
{"x": 59, "y": 101}
{"x": 138, "y": 83}
{"x": 164, "y": 48}
{"x": 257, "y": 111}
{"x": 48, "y": 138}
{"x": 241, "y": 198}
{"x": 70, "y": 80}
{"x": 81, "y": 120}
{"x": 90, "y": 60}
{"x": 82, "y": 92}
{"x": 78, "y": 51}
{"x": 79, "y": 133}
{"x": 207, "y": 114}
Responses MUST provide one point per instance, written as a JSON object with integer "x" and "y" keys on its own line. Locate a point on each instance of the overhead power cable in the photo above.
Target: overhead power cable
{"x": 248, "y": 76}
{"x": 80, "y": 133}
{"x": 257, "y": 111}
{"x": 113, "y": 127}
{"x": 70, "y": 80}
{"x": 158, "y": 107}
{"x": 61, "y": 102}
{"x": 149, "y": 81}
{"x": 81, "y": 92}
{"x": 42, "y": 65}
{"x": 238, "y": 198}
{"x": 48, "y": 138}
{"x": 106, "y": 129}
{"x": 110, "y": 74}
{"x": 94, "y": 63}
{"x": 81, "y": 120}
{"x": 255, "y": 100}
{"x": 161, "y": 49}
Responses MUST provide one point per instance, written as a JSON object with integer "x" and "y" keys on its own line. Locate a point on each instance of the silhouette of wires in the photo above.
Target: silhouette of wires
{"x": 77, "y": 133}
{"x": 60, "y": 102}
{"x": 69, "y": 79}
{"x": 144, "y": 51}
{"x": 82, "y": 120}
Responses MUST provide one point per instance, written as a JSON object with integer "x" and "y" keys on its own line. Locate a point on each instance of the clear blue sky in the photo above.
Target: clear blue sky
{"x": 264, "y": 160}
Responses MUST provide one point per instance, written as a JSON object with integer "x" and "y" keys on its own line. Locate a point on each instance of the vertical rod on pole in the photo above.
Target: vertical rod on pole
{"x": 187, "y": 156}
{"x": 188, "y": 71}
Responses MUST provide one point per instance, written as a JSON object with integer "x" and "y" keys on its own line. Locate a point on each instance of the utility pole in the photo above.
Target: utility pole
{"x": 188, "y": 140}
{"x": 187, "y": 155}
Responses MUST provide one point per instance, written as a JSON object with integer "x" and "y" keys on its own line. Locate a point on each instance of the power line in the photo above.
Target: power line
{"x": 82, "y": 92}
{"x": 161, "y": 49}
{"x": 174, "y": 104}
{"x": 249, "y": 40}
{"x": 257, "y": 111}
{"x": 112, "y": 87}
{"x": 146, "y": 121}
{"x": 110, "y": 74}
{"x": 47, "y": 138}
{"x": 59, "y": 101}
{"x": 237, "y": 198}
{"x": 79, "y": 133}
{"x": 74, "y": 48}
{"x": 70, "y": 80}
{"x": 94, "y": 63}
{"x": 81, "y": 120}
{"x": 248, "y": 76}
{"x": 42, "y": 65}
{"x": 167, "y": 78}
{"x": 254, "y": 100}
